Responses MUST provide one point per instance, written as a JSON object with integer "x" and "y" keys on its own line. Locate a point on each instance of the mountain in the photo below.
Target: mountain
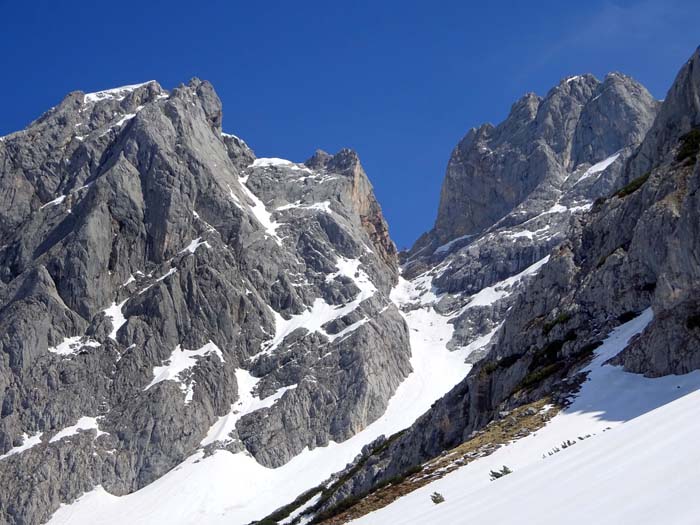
{"x": 627, "y": 257}
{"x": 543, "y": 150}
{"x": 165, "y": 292}
{"x": 191, "y": 334}
{"x": 510, "y": 192}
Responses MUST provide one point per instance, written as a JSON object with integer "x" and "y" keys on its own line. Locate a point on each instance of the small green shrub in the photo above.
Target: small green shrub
{"x": 587, "y": 350}
{"x": 563, "y": 317}
{"x": 495, "y": 474}
{"x": 503, "y": 363}
{"x": 633, "y": 186}
{"x": 690, "y": 145}
{"x": 539, "y": 375}
{"x": 437, "y": 498}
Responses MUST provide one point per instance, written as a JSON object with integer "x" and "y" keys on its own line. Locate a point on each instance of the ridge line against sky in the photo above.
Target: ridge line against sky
{"x": 399, "y": 82}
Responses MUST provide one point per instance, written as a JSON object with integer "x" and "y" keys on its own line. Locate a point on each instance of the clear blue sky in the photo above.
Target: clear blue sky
{"x": 400, "y": 82}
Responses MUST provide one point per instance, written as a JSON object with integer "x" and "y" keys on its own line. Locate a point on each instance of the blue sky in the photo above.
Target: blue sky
{"x": 400, "y": 82}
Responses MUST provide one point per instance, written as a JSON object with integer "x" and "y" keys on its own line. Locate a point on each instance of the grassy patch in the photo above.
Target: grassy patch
{"x": 282, "y": 513}
{"x": 499, "y": 432}
{"x": 537, "y": 376}
{"x": 633, "y": 186}
{"x": 503, "y": 363}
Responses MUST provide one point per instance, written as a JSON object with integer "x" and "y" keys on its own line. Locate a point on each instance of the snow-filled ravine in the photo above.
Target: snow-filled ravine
{"x": 234, "y": 489}
{"x": 638, "y": 465}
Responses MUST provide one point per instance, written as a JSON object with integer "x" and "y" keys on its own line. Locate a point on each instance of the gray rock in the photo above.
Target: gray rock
{"x": 133, "y": 203}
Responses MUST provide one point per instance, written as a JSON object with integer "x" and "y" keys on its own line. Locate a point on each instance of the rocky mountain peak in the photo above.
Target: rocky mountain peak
{"x": 677, "y": 116}
{"x": 494, "y": 171}
{"x": 319, "y": 160}
{"x": 616, "y": 117}
{"x": 524, "y": 109}
{"x": 211, "y": 104}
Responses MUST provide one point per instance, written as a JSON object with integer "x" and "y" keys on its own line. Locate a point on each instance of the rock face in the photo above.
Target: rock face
{"x": 635, "y": 249}
{"x": 536, "y": 149}
{"x": 154, "y": 274}
{"x": 511, "y": 192}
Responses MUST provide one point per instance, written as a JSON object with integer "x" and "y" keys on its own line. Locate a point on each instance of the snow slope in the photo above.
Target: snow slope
{"x": 623, "y": 473}
{"x": 233, "y": 489}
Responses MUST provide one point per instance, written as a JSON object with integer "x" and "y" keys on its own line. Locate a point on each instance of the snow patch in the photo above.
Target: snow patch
{"x": 84, "y": 423}
{"x": 180, "y": 361}
{"x": 275, "y": 162}
{"x": 260, "y": 212}
{"x": 194, "y": 244}
{"x": 124, "y": 119}
{"x": 320, "y": 311}
{"x": 324, "y": 206}
{"x": 599, "y": 167}
{"x": 27, "y": 443}
{"x": 247, "y": 403}
{"x": 527, "y": 233}
{"x": 71, "y": 345}
{"x": 114, "y": 313}
{"x": 493, "y": 293}
{"x": 118, "y": 93}
{"x": 170, "y": 272}
{"x": 446, "y": 247}
{"x": 292, "y": 516}
{"x": 54, "y": 202}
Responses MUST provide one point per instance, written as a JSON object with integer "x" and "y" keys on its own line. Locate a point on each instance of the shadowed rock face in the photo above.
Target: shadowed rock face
{"x": 148, "y": 264}
{"x": 635, "y": 249}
